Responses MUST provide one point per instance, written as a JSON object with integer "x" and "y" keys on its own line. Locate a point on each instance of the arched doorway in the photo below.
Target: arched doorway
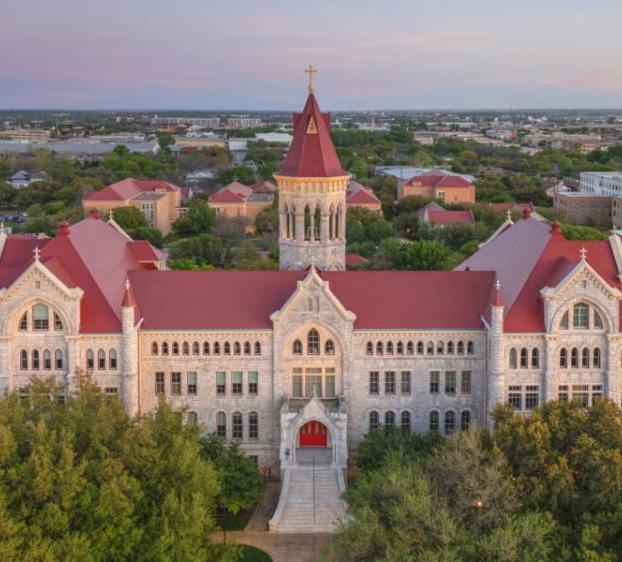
{"x": 313, "y": 434}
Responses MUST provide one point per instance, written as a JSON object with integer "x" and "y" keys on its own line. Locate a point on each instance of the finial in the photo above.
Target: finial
{"x": 498, "y": 300}
{"x": 127, "y": 285}
{"x": 37, "y": 253}
{"x": 498, "y": 284}
{"x": 110, "y": 215}
{"x": 311, "y": 71}
{"x": 583, "y": 253}
{"x": 508, "y": 214}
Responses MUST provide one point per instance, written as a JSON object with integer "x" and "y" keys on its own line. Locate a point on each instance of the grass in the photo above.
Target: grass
{"x": 252, "y": 554}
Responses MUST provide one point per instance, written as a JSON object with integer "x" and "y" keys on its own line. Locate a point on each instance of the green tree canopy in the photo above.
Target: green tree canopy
{"x": 199, "y": 219}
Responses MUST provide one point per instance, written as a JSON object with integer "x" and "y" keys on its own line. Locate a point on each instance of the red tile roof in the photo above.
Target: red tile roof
{"x": 355, "y": 259}
{"x": 362, "y": 196}
{"x": 221, "y": 300}
{"x": 503, "y": 207}
{"x": 312, "y": 153}
{"x": 225, "y": 196}
{"x": 129, "y": 188}
{"x": 451, "y": 217}
{"x": 438, "y": 180}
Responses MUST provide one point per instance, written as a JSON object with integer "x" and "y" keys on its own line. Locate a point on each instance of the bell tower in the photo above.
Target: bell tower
{"x": 312, "y": 189}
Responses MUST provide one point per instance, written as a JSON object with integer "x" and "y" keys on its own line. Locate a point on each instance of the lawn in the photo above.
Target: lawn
{"x": 252, "y": 554}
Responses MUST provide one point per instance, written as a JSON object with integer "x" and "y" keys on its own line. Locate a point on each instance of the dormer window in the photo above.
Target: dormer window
{"x": 41, "y": 317}
{"x": 581, "y": 316}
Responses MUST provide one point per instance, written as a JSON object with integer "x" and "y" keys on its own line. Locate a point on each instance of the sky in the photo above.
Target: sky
{"x": 251, "y": 54}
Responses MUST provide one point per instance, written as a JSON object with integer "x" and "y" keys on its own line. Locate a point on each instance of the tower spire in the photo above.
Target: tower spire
{"x": 311, "y": 71}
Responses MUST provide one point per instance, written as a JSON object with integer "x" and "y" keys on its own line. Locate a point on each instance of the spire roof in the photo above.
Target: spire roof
{"x": 312, "y": 153}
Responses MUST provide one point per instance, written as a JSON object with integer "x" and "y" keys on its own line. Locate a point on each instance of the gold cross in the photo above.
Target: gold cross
{"x": 583, "y": 253}
{"x": 311, "y": 71}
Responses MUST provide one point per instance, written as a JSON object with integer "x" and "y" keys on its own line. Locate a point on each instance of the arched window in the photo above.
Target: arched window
{"x": 112, "y": 359}
{"x": 598, "y": 321}
{"x": 369, "y": 348}
{"x": 399, "y": 348}
{"x": 574, "y": 357}
{"x": 58, "y": 359}
{"x": 164, "y": 348}
{"x": 419, "y": 348}
{"x": 329, "y": 347}
{"x": 379, "y": 348}
{"x": 154, "y": 348}
{"x": 596, "y": 358}
{"x": 410, "y": 348}
{"x": 313, "y": 342}
{"x": 513, "y": 358}
{"x": 429, "y": 348}
{"x": 205, "y": 348}
{"x": 101, "y": 359}
{"x": 90, "y": 359}
{"x": 257, "y": 348}
{"x": 389, "y": 348}
{"x": 535, "y": 358}
{"x": 317, "y": 221}
{"x": 434, "y": 425}
{"x": 460, "y": 348}
{"x": 585, "y": 358}
{"x": 185, "y": 348}
{"x": 23, "y": 360}
{"x": 374, "y": 421}
{"x": 35, "y": 360}
{"x": 563, "y": 358}
{"x": 524, "y": 358}
{"x": 470, "y": 348}
{"x": 297, "y": 347}
{"x": 450, "y": 422}
{"x": 193, "y": 417}
{"x": 465, "y": 420}
{"x": 440, "y": 348}
{"x": 563, "y": 324}
{"x": 247, "y": 348}
{"x": 47, "y": 359}
{"x": 405, "y": 421}
{"x": 175, "y": 348}
{"x": 253, "y": 425}
{"x": 23, "y": 322}
{"x": 237, "y": 426}
{"x": 216, "y": 348}
{"x": 237, "y": 348}
{"x": 41, "y": 317}
{"x": 307, "y": 223}
{"x": 581, "y": 316}
{"x": 450, "y": 348}
{"x": 389, "y": 420}
{"x": 221, "y": 424}
{"x": 196, "y": 348}
{"x": 226, "y": 348}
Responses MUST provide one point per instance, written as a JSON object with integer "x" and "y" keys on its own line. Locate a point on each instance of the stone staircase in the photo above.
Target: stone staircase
{"x": 310, "y": 500}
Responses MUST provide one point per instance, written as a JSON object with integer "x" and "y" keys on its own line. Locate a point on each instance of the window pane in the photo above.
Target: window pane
{"x": 580, "y": 316}
{"x": 41, "y": 317}
{"x": 191, "y": 379}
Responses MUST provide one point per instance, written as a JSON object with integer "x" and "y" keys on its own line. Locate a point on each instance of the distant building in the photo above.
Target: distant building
{"x": 601, "y": 183}
{"x": 24, "y": 179}
{"x": 244, "y": 123}
{"x": 583, "y": 208}
{"x": 28, "y": 135}
{"x": 160, "y": 201}
{"x": 241, "y": 202}
{"x": 434, "y": 214}
{"x": 282, "y": 138}
{"x": 363, "y": 197}
{"x": 202, "y": 122}
{"x": 434, "y": 185}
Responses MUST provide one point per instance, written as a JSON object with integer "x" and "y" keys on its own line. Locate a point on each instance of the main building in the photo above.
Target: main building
{"x": 313, "y": 355}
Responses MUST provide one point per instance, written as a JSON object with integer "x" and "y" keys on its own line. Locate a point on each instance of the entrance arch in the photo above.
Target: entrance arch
{"x": 313, "y": 434}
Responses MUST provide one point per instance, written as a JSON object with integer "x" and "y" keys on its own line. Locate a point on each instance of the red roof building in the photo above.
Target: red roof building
{"x": 435, "y": 185}
{"x": 363, "y": 197}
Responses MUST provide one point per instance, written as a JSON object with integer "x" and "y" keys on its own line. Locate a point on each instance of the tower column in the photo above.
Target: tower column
{"x": 324, "y": 230}
{"x": 300, "y": 226}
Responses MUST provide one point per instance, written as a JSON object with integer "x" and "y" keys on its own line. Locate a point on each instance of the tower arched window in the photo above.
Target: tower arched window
{"x": 379, "y": 348}
{"x": 374, "y": 420}
{"x": 596, "y": 358}
{"x": 307, "y": 219}
{"x": 257, "y": 348}
{"x": 164, "y": 348}
{"x": 513, "y": 358}
{"x": 175, "y": 348}
{"x": 205, "y": 348}
{"x": 226, "y": 348}
{"x": 440, "y": 348}
{"x": 430, "y": 348}
{"x": 410, "y": 348}
{"x": 216, "y": 348}
{"x": 460, "y": 347}
{"x": 419, "y": 348}
{"x": 196, "y": 348}
{"x": 317, "y": 224}
{"x": 329, "y": 347}
{"x": 154, "y": 348}
{"x": 338, "y": 223}
{"x": 563, "y": 358}
{"x": 247, "y": 348}
{"x": 450, "y": 347}
{"x": 313, "y": 342}
{"x": 331, "y": 223}
{"x": 237, "y": 350}
{"x": 470, "y": 348}
{"x": 369, "y": 348}
{"x": 292, "y": 223}
{"x": 185, "y": 348}
{"x": 399, "y": 348}
{"x": 389, "y": 348}
{"x": 297, "y": 347}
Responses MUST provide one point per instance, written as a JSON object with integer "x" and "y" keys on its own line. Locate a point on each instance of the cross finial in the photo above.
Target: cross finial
{"x": 37, "y": 253}
{"x": 311, "y": 71}
{"x": 583, "y": 253}
{"x": 110, "y": 215}
{"x": 498, "y": 285}
{"x": 127, "y": 285}
{"x": 508, "y": 214}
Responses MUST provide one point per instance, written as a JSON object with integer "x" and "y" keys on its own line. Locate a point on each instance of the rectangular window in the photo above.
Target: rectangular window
{"x": 159, "y": 383}
{"x": 253, "y": 382}
{"x": 374, "y": 382}
{"x": 465, "y": 382}
{"x": 236, "y": 382}
{"x": 253, "y": 426}
{"x": 597, "y": 393}
{"x": 450, "y": 382}
{"x": 191, "y": 379}
{"x": 313, "y": 382}
{"x": 532, "y": 397}
{"x": 580, "y": 392}
{"x": 111, "y": 391}
{"x": 221, "y": 382}
{"x": 435, "y": 382}
{"x": 236, "y": 426}
{"x": 40, "y": 315}
{"x": 515, "y": 397}
{"x": 297, "y": 383}
{"x": 389, "y": 382}
{"x": 175, "y": 384}
{"x": 562, "y": 393}
{"x": 405, "y": 386}
{"x": 329, "y": 383}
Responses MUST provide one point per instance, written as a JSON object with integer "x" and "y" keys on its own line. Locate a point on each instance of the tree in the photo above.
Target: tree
{"x": 199, "y": 219}
{"x": 243, "y": 174}
{"x": 204, "y": 248}
{"x": 134, "y": 222}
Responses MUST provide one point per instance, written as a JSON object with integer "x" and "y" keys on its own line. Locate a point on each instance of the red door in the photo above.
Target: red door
{"x": 313, "y": 434}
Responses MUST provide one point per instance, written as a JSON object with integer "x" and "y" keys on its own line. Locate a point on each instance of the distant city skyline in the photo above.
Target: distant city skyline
{"x": 401, "y": 54}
